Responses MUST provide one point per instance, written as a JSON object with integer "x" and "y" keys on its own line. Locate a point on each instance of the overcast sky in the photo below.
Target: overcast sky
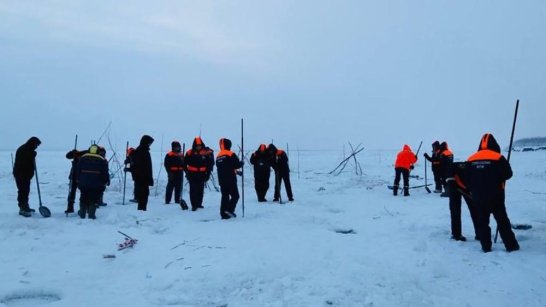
{"x": 314, "y": 74}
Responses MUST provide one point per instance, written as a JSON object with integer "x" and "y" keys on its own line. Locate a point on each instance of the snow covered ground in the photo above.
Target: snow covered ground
{"x": 398, "y": 254}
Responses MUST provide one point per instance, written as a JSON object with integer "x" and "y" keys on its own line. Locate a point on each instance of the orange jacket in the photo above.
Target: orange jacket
{"x": 405, "y": 159}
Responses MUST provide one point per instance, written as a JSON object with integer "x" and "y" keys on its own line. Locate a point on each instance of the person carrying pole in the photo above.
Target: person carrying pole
{"x": 488, "y": 171}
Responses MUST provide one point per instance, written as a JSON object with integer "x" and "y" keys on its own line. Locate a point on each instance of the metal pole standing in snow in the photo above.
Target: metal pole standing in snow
{"x": 125, "y": 172}
{"x": 160, "y": 168}
{"x": 243, "y": 168}
{"x": 509, "y": 152}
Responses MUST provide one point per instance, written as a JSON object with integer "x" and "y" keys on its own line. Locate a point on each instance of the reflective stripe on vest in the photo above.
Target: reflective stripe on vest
{"x": 201, "y": 169}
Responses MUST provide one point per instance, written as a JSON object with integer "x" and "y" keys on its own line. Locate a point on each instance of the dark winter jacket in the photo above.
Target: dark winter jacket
{"x": 262, "y": 162}
{"x": 446, "y": 160}
{"x": 129, "y": 162}
{"x": 486, "y": 172}
{"x": 75, "y": 156}
{"x": 435, "y": 158}
{"x": 227, "y": 164}
{"x": 199, "y": 163}
{"x": 92, "y": 171}
{"x": 25, "y": 156}
{"x": 174, "y": 161}
{"x": 142, "y": 162}
{"x": 279, "y": 159}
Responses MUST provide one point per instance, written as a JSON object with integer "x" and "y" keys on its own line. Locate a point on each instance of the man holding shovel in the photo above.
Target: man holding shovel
{"x": 23, "y": 171}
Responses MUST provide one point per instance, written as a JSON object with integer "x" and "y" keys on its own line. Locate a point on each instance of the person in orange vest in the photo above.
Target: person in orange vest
{"x": 174, "y": 165}
{"x": 402, "y": 166}
{"x": 488, "y": 171}
{"x": 279, "y": 162}
{"x": 435, "y": 162}
{"x": 92, "y": 177}
{"x": 129, "y": 169}
{"x": 262, "y": 171}
{"x": 446, "y": 161}
{"x": 227, "y": 165}
{"x": 198, "y": 164}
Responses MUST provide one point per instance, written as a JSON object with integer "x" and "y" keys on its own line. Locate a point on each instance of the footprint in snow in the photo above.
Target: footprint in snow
{"x": 30, "y": 298}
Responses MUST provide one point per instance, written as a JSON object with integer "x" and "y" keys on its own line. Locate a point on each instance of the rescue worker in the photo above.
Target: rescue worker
{"x": 402, "y": 166}
{"x": 457, "y": 191}
{"x": 435, "y": 162}
{"x": 174, "y": 165}
{"x": 129, "y": 169}
{"x": 102, "y": 153}
{"x": 279, "y": 163}
{"x": 142, "y": 171}
{"x": 92, "y": 177}
{"x": 227, "y": 164}
{"x": 75, "y": 156}
{"x": 23, "y": 172}
{"x": 488, "y": 171}
{"x": 446, "y": 161}
{"x": 198, "y": 164}
{"x": 262, "y": 171}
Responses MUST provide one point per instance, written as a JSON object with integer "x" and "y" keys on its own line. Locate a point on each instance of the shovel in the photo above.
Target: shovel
{"x": 183, "y": 204}
{"x": 44, "y": 211}
{"x": 426, "y": 183}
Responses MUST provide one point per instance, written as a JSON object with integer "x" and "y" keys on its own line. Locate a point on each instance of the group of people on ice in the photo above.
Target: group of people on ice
{"x": 480, "y": 180}
{"x": 90, "y": 174}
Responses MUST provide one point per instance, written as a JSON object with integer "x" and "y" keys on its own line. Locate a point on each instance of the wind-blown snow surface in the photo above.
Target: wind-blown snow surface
{"x": 400, "y": 253}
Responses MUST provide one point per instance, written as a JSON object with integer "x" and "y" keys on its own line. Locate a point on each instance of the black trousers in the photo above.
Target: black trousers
{"x": 142, "y": 191}
{"x": 498, "y": 210}
{"x": 283, "y": 177}
{"x": 261, "y": 184}
{"x": 72, "y": 195}
{"x": 437, "y": 177}
{"x": 173, "y": 185}
{"x": 197, "y": 192}
{"x": 230, "y": 197}
{"x": 89, "y": 200}
{"x": 399, "y": 171}
{"x": 23, "y": 190}
{"x": 455, "y": 204}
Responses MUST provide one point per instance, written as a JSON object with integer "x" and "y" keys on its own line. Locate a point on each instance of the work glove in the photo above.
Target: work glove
{"x": 411, "y": 167}
{"x": 426, "y": 155}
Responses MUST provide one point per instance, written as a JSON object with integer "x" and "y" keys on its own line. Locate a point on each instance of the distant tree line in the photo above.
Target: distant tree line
{"x": 530, "y": 144}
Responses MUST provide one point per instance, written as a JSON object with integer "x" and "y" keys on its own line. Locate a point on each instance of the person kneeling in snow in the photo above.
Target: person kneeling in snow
{"x": 92, "y": 175}
{"x": 227, "y": 164}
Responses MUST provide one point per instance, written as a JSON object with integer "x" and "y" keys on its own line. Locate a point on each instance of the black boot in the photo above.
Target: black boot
{"x": 459, "y": 238}
{"x": 395, "y": 191}
{"x": 406, "y": 191}
{"x": 24, "y": 213}
{"x": 91, "y": 209}
{"x": 69, "y": 208}
{"x": 83, "y": 210}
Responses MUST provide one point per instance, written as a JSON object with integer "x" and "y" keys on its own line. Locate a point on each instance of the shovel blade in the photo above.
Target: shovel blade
{"x": 183, "y": 205}
{"x": 44, "y": 211}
